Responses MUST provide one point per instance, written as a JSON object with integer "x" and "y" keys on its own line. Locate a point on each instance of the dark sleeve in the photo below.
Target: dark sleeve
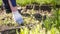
{"x": 6, "y": 5}
{"x": 13, "y": 2}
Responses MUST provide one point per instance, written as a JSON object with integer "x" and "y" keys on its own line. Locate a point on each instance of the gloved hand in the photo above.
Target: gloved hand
{"x": 17, "y": 17}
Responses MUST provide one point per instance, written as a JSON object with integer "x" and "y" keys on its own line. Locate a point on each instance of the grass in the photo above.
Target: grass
{"x": 25, "y": 2}
{"x": 0, "y": 2}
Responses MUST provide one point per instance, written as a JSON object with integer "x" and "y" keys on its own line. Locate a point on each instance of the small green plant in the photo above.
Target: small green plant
{"x": 24, "y": 30}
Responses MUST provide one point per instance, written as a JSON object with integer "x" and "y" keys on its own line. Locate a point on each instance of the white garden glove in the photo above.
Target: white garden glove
{"x": 17, "y": 17}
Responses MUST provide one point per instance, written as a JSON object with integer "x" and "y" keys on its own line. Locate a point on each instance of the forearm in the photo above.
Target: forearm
{"x": 12, "y": 8}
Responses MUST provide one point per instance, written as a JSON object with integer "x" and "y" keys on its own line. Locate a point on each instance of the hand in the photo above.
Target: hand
{"x": 17, "y": 17}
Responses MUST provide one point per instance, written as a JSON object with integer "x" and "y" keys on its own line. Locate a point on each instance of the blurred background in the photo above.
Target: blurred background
{"x": 40, "y": 17}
